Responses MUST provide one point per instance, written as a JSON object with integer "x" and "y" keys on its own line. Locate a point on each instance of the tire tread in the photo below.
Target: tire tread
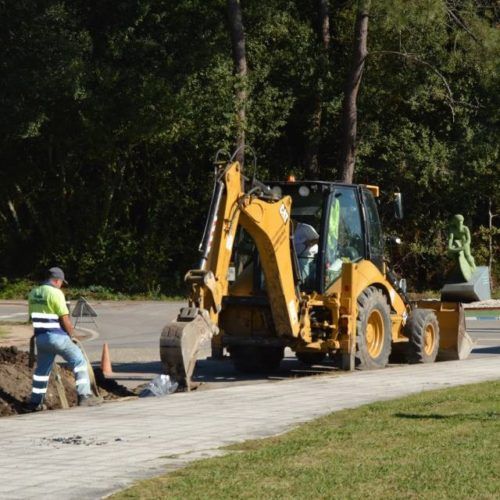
{"x": 369, "y": 298}
{"x": 414, "y": 330}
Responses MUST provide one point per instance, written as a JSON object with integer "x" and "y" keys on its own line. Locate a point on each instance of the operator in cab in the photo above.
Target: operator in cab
{"x": 306, "y": 239}
{"x": 53, "y": 333}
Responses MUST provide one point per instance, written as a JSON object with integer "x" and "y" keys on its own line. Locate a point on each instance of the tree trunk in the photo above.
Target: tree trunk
{"x": 312, "y": 165}
{"x": 491, "y": 233}
{"x": 349, "y": 107}
{"x": 490, "y": 238}
{"x": 240, "y": 71}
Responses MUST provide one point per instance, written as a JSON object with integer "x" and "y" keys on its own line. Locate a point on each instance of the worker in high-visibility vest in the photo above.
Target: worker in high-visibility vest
{"x": 53, "y": 335}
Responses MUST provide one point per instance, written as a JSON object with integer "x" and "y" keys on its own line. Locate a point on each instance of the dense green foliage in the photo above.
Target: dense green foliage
{"x": 111, "y": 113}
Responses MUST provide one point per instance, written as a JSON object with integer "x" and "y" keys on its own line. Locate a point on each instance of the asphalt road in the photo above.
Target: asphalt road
{"x": 132, "y": 331}
{"x": 486, "y": 335}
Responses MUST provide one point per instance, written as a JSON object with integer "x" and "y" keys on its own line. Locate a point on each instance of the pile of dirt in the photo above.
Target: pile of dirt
{"x": 16, "y": 379}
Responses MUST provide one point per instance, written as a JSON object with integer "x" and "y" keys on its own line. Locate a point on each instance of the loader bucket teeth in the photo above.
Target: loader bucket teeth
{"x": 180, "y": 342}
{"x": 465, "y": 345}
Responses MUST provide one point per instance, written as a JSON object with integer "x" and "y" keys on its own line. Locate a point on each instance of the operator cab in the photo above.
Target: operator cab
{"x": 332, "y": 224}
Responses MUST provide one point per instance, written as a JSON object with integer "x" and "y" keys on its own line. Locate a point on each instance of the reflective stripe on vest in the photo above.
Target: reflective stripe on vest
{"x": 46, "y": 323}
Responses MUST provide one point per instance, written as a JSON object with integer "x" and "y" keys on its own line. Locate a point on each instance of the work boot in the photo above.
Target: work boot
{"x": 32, "y": 407}
{"x": 89, "y": 400}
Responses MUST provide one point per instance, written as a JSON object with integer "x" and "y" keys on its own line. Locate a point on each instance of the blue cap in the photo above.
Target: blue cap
{"x": 56, "y": 273}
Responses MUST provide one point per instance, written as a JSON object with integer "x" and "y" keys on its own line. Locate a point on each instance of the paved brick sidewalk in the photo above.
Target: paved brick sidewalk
{"x": 90, "y": 452}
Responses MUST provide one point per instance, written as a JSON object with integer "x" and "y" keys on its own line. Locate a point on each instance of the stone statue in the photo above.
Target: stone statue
{"x": 466, "y": 283}
{"x": 459, "y": 246}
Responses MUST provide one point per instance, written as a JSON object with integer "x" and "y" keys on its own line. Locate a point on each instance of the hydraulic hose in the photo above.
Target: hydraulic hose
{"x": 206, "y": 242}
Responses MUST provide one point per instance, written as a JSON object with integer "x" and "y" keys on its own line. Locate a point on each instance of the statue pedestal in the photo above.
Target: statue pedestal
{"x": 476, "y": 289}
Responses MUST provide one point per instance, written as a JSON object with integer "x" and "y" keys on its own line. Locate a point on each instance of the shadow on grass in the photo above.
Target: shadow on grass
{"x": 489, "y": 415}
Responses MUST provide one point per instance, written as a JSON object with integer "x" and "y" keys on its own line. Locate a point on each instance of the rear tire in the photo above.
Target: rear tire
{"x": 310, "y": 358}
{"x": 256, "y": 359}
{"x": 373, "y": 330}
{"x": 422, "y": 330}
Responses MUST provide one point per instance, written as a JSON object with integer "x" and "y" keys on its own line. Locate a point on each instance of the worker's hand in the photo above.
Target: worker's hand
{"x": 66, "y": 325}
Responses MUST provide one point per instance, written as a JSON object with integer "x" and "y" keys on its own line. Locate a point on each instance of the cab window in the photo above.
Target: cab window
{"x": 374, "y": 229}
{"x": 344, "y": 242}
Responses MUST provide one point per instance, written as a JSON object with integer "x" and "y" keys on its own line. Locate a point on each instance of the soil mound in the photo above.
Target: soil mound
{"x": 16, "y": 377}
{"x": 12, "y": 355}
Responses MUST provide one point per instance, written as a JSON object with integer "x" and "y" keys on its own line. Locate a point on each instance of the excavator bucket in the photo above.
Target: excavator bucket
{"x": 454, "y": 341}
{"x": 180, "y": 342}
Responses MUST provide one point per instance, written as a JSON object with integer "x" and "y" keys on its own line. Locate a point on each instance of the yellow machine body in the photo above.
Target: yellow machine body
{"x": 356, "y": 318}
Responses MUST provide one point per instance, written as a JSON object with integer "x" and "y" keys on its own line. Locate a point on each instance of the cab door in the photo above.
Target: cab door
{"x": 374, "y": 236}
{"x": 344, "y": 241}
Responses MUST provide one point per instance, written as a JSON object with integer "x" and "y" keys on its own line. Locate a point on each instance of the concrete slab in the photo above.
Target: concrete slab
{"x": 125, "y": 441}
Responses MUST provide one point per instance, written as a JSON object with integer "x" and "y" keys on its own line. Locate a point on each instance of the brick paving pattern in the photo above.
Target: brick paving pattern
{"x": 91, "y": 452}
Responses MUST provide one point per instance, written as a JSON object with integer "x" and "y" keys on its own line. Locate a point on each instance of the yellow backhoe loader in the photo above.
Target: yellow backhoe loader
{"x": 301, "y": 265}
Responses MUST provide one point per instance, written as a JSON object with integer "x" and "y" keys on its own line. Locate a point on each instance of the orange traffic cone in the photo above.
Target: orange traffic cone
{"x": 106, "y": 367}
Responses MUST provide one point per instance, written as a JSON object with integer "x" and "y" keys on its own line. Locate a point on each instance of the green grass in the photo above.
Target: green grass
{"x": 19, "y": 289}
{"x": 16, "y": 289}
{"x": 440, "y": 444}
{"x": 436, "y": 294}
{"x": 427, "y": 294}
{"x": 482, "y": 313}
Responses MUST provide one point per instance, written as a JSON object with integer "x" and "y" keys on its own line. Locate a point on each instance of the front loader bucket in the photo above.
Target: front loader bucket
{"x": 180, "y": 342}
{"x": 454, "y": 341}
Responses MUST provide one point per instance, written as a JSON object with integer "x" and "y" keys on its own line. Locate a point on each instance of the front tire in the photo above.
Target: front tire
{"x": 422, "y": 330}
{"x": 373, "y": 330}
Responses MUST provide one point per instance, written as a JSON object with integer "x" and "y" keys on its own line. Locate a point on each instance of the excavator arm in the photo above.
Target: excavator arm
{"x": 266, "y": 218}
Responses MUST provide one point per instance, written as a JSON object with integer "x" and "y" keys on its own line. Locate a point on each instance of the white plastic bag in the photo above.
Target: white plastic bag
{"x": 161, "y": 385}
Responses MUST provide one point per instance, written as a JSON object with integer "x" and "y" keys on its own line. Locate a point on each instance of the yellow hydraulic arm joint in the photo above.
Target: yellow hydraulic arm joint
{"x": 267, "y": 220}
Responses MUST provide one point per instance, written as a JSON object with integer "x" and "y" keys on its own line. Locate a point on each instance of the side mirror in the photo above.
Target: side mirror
{"x": 398, "y": 206}
{"x": 393, "y": 240}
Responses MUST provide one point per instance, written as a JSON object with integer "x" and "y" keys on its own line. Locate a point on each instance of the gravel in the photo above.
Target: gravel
{"x": 484, "y": 304}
